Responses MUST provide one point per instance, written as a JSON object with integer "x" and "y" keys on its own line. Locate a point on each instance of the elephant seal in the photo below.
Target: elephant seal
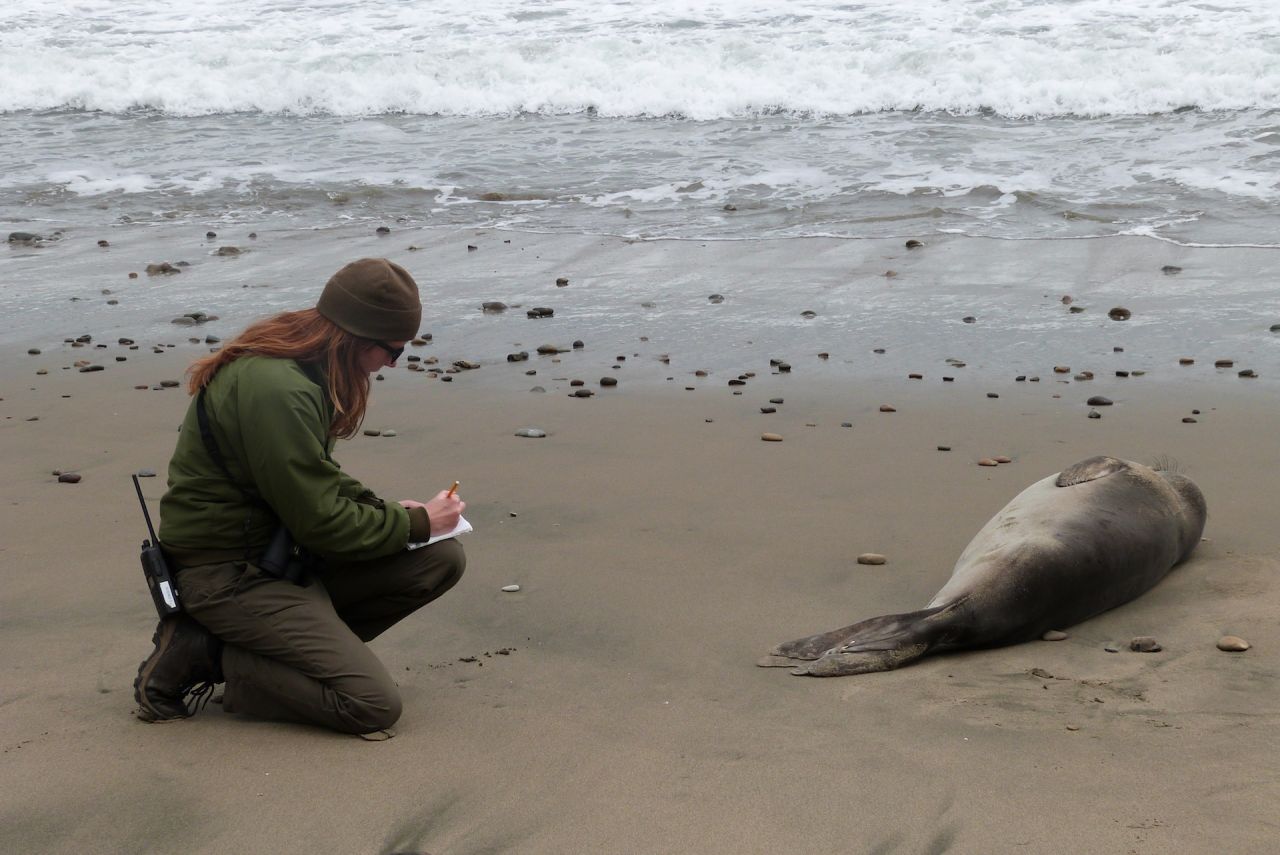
{"x": 1067, "y": 548}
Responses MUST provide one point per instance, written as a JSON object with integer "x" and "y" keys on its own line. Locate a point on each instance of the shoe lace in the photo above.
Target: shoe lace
{"x": 197, "y": 697}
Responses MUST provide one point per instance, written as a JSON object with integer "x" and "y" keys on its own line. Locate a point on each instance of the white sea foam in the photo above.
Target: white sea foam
{"x": 660, "y": 57}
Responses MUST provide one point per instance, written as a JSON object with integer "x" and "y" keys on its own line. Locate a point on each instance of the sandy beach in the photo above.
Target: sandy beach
{"x": 612, "y": 705}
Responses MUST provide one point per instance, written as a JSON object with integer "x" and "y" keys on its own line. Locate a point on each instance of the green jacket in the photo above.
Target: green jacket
{"x": 270, "y": 419}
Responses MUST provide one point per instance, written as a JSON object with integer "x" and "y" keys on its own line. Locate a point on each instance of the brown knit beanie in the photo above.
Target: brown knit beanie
{"x": 373, "y": 298}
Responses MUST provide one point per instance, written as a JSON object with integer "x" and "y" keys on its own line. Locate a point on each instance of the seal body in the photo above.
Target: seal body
{"x": 1069, "y": 547}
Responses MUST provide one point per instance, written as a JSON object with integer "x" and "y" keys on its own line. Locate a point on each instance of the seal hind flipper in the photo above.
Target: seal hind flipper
{"x": 876, "y": 644}
{"x": 1090, "y": 470}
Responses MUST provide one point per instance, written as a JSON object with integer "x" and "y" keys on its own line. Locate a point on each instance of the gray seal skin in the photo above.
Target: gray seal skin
{"x": 1069, "y": 547}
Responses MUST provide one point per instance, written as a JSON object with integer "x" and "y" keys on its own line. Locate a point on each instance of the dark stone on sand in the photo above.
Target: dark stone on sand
{"x": 69, "y": 478}
{"x": 418, "y": 342}
{"x": 878, "y": 350}
{"x": 210, "y": 235}
{"x": 1145, "y": 644}
{"x": 729, "y": 206}
{"x": 846, "y": 424}
{"x": 1075, "y": 310}
{"x": 211, "y": 339}
{"x": 1275, "y": 328}
{"x": 969, "y": 319}
{"x": 1224, "y": 363}
{"x": 372, "y": 432}
{"x": 716, "y": 298}
{"x": 382, "y": 230}
{"x": 24, "y": 237}
{"x": 768, "y": 409}
{"x": 871, "y": 558}
{"x": 465, "y": 365}
{"x": 122, "y": 359}
{"x": 446, "y": 378}
{"x": 133, "y": 275}
{"x": 915, "y": 376}
{"x": 582, "y": 393}
{"x": 948, "y": 379}
{"x": 547, "y": 349}
{"x": 540, "y": 312}
{"x": 518, "y": 357}
{"x": 103, "y": 243}
{"x": 1170, "y": 269}
{"x": 1094, "y": 414}
{"x": 736, "y": 382}
{"x": 170, "y": 384}
{"x": 562, "y": 282}
{"x": 84, "y": 339}
{"x": 1119, "y": 313}
{"x": 885, "y": 408}
{"x": 993, "y": 395}
{"x": 824, "y": 355}
{"x": 1188, "y": 420}
{"x": 88, "y": 369}
{"x": 163, "y": 267}
{"x": 577, "y": 382}
{"x": 608, "y": 381}
{"x": 944, "y": 448}
{"x": 537, "y": 389}
{"x": 1195, "y": 412}
{"x": 228, "y": 251}
{"x": 808, "y": 313}
{"x": 648, "y": 304}
{"x": 146, "y": 473}
{"x": 1186, "y": 360}
{"x": 1248, "y": 372}
{"x": 913, "y": 244}
{"x": 253, "y": 235}
{"x": 1112, "y": 647}
{"x": 578, "y": 345}
{"x": 35, "y": 351}
{"x": 1020, "y": 378}
{"x": 784, "y": 367}
{"x": 1099, "y": 401}
{"x": 775, "y": 400}
{"x": 493, "y": 306}
{"x": 1122, "y": 373}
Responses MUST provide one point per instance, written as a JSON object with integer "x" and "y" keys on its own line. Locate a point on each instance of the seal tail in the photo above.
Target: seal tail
{"x": 877, "y": 644}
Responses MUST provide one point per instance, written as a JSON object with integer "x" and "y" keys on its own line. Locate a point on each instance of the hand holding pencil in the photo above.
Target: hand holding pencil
{"x": 443, "y": 510}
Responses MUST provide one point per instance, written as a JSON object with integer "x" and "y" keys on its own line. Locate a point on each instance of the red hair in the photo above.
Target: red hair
{"x": 306, "y": 336}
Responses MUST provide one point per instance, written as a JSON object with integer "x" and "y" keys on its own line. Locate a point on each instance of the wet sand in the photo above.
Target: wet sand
{"x": 661, "y": 548}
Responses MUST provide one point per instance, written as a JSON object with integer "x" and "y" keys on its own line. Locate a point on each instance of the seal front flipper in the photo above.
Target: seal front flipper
{"x": 876, "y": 644}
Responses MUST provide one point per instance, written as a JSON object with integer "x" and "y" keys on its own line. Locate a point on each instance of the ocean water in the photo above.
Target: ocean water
{"x": 733, "y": 119}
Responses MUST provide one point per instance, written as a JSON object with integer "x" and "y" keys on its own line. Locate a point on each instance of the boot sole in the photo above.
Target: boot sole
{"x": 163, "y": 635}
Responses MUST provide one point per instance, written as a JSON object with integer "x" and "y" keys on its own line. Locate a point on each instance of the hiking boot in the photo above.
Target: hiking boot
{"x": 186, "y": 662}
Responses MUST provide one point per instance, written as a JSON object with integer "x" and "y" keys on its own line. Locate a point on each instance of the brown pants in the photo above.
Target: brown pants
{"x": 296, "y": 653}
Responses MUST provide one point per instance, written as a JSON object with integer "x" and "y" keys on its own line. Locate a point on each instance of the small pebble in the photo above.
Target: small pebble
{"x": 1112, "y": 647}
{"x": 69, "y": 478}
{"x": 537, "y": 389}
{"x": 1145, "y": 644}
{"x": 913, "y": 244}
{"x": 146, "y": 473}
{"x": 510, "y": 589}
{"x": 1170, "y": 269}
{"x": 1002, "y": 459}
{"x": 582, "y": 393}
{"x": 885, "y": 408}
{"x": 775, "y": 400}
{"x": 987, "y": 461}
{"x": 992, "y": 395}
{"x": 388, "y": 433}
{"x": 846, "y": 424}
{"x": 767, "y": 410}
{"x": 771, "y": 437}
{"x": 1248, "y": 372}
{"x": 1099, "y": 401}
{"x": 944, "y": 448}
{"x": 1119, "y": 313}
{"x": 531, "y": 433}
{"x": 1188, "y": 420}
{"x": 608, "y": 381}
{"x": 1224, "y": 363}
{"x": 1073, "y": 727}
{"x": 1061, "y": 369}
{"x": 562, "y": 282}
{"x": 372, "y": 432}
{"x": 1233, "y": 644}
{"x": 1055, "y": 635}
{"x": 915, "y": 376}
{"x": 871, "y": 558}
{"x": 1186, "y": 360}
{"x": 1094, "y": 414}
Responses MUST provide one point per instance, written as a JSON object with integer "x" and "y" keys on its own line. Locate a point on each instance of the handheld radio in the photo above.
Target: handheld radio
{"x": 164, "y": 591}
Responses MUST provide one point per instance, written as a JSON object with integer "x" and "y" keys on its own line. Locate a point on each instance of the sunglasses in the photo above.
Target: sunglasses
{"x": 393, "y": 353}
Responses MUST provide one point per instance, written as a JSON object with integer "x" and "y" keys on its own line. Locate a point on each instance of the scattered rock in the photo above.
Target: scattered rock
{"x": 1248, "y": 372}
{"x": 1170, "y": 269}
{"x": 372, "y": 432}
{"x": 1099, "y": 401}
{"x": 767, "y": 410}
{"x": 1233, "y": 644}
{"x": 146, "y": 473}
{"x": 885, "y": 408}
{"x": 1002, "y": 459}
{"x": 1119, "y": 313}
{"x": 808, "y": 313}
{"x": 871, "y": 558}
{"x": 537, "y": 389}
{"x": 1186, "y": 360}
{"x": 969, "y": 319}
{"x": 540, "y": 312}
{"x": 913, "y": 244}
{"x": 716, "y": 298}
{"x": 915, "y": 376}
{"x": 69, "y": 478}
{"x": 88, "y": 369}
{"x": 562, "y": 282}
{"x": 1145, "y": 644}
{"x": 944, "y": 448}
{"x": 510, "y": 589}
{"x": 578, "y": 344}
{"x": 993, "y": 395}
{"x": 493, "y": 307}
{"x": 170, "y": 384}
{"x": 736, "y": 382}
{"x": 1112, "y": 647}
{"x": 1073, "y": 727}
{"x": 846, "y": 424}
{"x": 1061, "y": 369}
{"x": 1055, "y": 635}
{"x": 582, "y": 393}
{"x": 771, "y": 437}
{"x": 465, "y": 365}
{"x": 987, "y": 461}
{"x": 729, "y": 206}
{"x": 35, "y": 351}
{"x": 1075, "y": 310}
{"x": 1224, "y": 363}
{"x": 1122, "y": 373}
{"x": 162, "y": 268}
{"x": 547, "y": 349}
{"x": 24, "y": 237}
{"x": 532, "y": 433}
{"x": 1094, "y": 414}
{"x": 608, "y": 381}
{"x": 577, "y": 382}
{"x": 228, "y": 250}
{"x": 518, "y": 357}
{"x": 1188, "y": 420}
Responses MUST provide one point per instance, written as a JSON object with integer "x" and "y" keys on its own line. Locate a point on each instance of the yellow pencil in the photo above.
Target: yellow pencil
{"x": 449, "y": 495}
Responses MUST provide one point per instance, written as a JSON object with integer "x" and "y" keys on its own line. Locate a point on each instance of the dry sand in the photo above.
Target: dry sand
{"x": 661, "y": 548}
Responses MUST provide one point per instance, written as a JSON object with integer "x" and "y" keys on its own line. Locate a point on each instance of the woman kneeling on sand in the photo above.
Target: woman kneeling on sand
{"x": 253, "y": 456}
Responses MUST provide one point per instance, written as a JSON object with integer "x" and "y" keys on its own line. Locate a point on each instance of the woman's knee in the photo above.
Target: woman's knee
{"x": 442, "y": 566}
{"x": 370, "y": 709}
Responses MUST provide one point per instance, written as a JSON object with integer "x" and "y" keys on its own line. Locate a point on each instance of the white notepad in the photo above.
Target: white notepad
{"x": 461, "y": 528}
